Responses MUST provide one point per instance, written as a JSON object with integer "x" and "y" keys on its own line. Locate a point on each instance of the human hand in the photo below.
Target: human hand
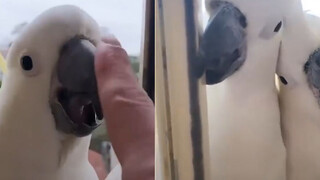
{"x": 128, "y": 110}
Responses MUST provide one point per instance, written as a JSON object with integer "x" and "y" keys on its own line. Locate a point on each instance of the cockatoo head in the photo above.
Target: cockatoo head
{"x": 234, "y": 25}
{"x": 53, "y": 61}
{"x": 299, "y": 50}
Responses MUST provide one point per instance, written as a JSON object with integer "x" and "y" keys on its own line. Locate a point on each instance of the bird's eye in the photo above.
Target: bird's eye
{"x": 26, "y": 63}
{"x": 270, "y": 29}
{"x": 30, "y": 67}
{"x": 278, "y": 27}
{"x": 283, "y": 80}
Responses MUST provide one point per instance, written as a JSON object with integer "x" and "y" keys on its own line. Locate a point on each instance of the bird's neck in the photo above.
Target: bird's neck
{"x": 27, "y": 131}
{"x": 298, "y": 34}
{"x": 301, "y": 100}
{"x": 295, "y": 19}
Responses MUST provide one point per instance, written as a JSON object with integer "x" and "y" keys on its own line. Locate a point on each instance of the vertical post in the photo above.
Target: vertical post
{"x": 164, "y": 151}
{"x": 147, "y": 50}
{"x": 184, "y": 94}
{"x": 197, "y": 88}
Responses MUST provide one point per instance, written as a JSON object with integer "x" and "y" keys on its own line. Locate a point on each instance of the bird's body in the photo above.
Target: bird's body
{"x": 115, "y": 173}
{"x": 314, "y": 23}
{"x": 243, "y": 110}
{"x": 301, "y": 130}
{"x": 244, "y": 121}
{"x": 300, "y": 110}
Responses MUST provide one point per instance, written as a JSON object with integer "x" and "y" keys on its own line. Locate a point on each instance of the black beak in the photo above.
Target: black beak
{"x": 223, "y": 44}
{"x": 77, "y": 108}
{"x": 312, "y": 69}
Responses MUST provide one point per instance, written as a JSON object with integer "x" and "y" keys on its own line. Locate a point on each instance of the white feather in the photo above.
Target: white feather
{"x": 115, "y": 173}
{"x": 31, "y": 147}
{"x": 300, "y": 111}
{"x": 243, "y": 110}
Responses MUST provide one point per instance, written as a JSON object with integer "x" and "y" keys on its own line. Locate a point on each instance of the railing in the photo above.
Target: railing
{"x": 183, "y": 147}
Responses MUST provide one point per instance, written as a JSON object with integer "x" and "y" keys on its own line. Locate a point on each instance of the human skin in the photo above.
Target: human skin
{"x": 96, "y": 161}
{"x": 128, "y": 110}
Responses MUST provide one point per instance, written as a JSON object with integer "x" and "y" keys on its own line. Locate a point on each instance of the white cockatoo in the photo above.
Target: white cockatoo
{"x": 49, "y": 103}
{"x": 299, "y": 74}
{"x": 238, "y": 54}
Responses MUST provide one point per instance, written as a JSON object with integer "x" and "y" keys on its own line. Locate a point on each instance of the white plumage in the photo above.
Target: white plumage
{"x": 243, "y": 110}
{"x": 31, "y": 147}
{"x": 300, "y": 110}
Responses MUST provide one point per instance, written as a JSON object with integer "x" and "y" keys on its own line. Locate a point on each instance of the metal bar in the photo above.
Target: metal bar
{"x": 196, "y": 125}
{"x": 187, "y": 114}
{"x": 148, "y": 58}
{"x": 163, "y": 114}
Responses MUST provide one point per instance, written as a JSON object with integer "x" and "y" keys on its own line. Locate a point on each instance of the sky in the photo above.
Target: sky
{"x": 123, "y": 18}
{"x": 311, "y": 6}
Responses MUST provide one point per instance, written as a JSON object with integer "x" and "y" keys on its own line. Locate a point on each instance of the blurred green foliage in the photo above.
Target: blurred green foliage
{"x": 135, "y": 64}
